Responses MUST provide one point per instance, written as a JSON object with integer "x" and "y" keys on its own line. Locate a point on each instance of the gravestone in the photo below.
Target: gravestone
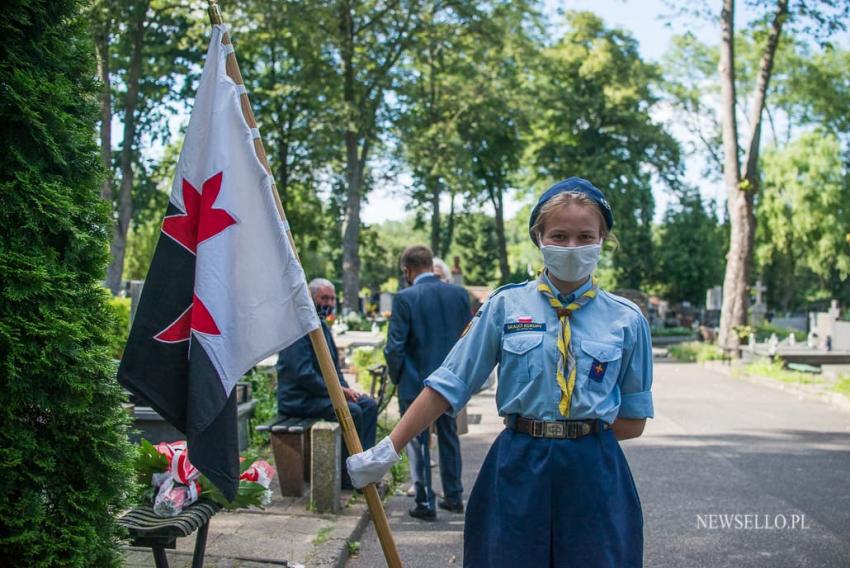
{"x": 714, "y": 298}
{"x": 831, "y": 333}
{"x": 325, "y": 467}
{"x": 759, "y": 309}
{"x": 386, "y": 302}
{"x": 135, "y": 291}
{"x": 457, "y": 272}
{"x": 772, "y": 344}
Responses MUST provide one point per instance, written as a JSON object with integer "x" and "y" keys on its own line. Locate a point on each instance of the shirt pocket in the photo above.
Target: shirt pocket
{"x": 522, "y": 357}
{"x": 599, "y": 364}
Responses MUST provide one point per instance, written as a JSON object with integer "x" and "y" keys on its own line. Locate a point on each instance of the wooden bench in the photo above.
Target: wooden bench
{"x": 148, "y": 529}
{"x": 290, "y": 438}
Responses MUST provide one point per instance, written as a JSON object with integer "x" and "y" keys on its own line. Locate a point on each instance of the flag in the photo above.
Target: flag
{"x": 224, "y": 289}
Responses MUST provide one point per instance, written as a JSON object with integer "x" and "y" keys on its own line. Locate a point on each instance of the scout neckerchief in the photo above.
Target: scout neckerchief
{"x": 566, "y": 360}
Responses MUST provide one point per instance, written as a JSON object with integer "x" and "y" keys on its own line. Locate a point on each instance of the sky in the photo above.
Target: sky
{"x": 648, "y": 21}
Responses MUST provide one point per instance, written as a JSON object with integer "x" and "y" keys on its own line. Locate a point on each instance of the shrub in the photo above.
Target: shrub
{"x": 356, "y": 322}
{"x": 764, "y": 330}
{"x": 695, "y": 351}
{"x": 362, "y": 359}
{"x": 671, "y": 331}
{"x": 264, "y": 391}
{"x": 65, "y": 462}
{"x": 120, "y": 325}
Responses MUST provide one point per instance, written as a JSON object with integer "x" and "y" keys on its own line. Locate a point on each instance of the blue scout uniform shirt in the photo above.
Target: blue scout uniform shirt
{"x": 518, "y": 329}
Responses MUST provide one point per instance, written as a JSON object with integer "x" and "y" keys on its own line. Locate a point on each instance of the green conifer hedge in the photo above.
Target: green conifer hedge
{"x": 64, "y": 455}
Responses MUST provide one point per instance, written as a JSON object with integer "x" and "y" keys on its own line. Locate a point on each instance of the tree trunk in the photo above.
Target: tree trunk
{"x": 496, "y": 198}
{"x": 741, "y": 193}
{"x": 125, "y": 204}
{"x": 434, "y": 190}
{"x": 101, "y": 42}
{"x": 353, "y": 177}
{"x": 450, "y": 229}
{"x": 734, "y": 309}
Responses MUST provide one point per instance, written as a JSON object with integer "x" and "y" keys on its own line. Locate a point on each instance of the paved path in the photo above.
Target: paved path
{"x": 718, "y": 446}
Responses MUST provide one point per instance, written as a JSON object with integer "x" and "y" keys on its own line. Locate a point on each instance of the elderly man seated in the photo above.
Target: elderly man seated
{"x": 301, "y": 390}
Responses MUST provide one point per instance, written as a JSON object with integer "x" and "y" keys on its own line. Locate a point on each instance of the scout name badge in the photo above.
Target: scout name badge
{"x": 524, "y": 323}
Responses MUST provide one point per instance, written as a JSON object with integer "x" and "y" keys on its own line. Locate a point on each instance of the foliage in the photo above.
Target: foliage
{"x": 690, "y": 249}
{"x": 353, "y": 547}
{"x": 475, "y": 243}
{"x": 596, "y": 96}
{"x": 66, "y": 463}
{"x": 141, "y": 244}
{"x": 356, "y": 322}
{"x": 363, "y": 359}
{"x": 804, "y": 213}
{"x": 764, "y": 330}
{"x": 671, "y": 331}
{"x": 695, "y": 351}
{"x": 264, "y": 392}
{"x": 119, "y": 327}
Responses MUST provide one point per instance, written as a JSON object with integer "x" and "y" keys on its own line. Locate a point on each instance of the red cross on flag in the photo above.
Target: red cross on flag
{"x": 224, "y": 289}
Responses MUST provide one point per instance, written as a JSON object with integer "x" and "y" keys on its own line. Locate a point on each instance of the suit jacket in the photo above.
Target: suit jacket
{"x": 300, "y": 386}
{"x": 427, "y": 320}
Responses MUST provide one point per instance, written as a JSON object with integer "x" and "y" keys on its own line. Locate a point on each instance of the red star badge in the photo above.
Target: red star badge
{"x": 200, "y": 222}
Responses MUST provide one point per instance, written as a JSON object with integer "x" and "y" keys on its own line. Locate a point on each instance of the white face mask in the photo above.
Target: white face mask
{"x": 571, "y": 264}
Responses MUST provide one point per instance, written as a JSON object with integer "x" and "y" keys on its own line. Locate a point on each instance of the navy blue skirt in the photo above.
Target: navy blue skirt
{"x": 542, "y": 502}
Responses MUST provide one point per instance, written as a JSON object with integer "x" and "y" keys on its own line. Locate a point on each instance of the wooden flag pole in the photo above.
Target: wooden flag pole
{"x": 317, "y": 338}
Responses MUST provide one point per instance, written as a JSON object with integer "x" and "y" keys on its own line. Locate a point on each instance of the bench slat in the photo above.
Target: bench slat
{"x": 143, "y": 522}
{"x": 294, "y": 425}
{"x": 266, "y": 426}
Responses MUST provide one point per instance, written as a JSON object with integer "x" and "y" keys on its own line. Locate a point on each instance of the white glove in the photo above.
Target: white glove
{"x": 371, "y": 466}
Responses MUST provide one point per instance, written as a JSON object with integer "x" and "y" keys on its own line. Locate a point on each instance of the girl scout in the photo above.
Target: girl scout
{"x": 575, "y": 371}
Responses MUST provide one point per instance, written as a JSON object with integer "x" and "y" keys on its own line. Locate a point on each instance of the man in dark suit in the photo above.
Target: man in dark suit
{"x": 301, "y": 390}
{"x": 427, "y": 319}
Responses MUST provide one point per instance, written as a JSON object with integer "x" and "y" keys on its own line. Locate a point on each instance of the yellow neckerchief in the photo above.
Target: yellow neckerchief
{"x": 566, "y": 360}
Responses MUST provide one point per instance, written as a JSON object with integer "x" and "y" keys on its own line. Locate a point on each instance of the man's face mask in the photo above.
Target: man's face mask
{"x": 325, "y": 310}
{"x": 325, "y": 301}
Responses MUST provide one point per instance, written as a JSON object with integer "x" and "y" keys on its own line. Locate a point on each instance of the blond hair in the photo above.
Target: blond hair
{"x": 572, "y": 198}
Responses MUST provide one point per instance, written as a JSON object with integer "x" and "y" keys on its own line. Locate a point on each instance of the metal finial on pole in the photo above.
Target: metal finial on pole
{"x": 317, "y": 337}
{"x": 215, "y": 13}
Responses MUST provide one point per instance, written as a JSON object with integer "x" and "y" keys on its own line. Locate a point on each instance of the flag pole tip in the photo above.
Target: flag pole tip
{"x": 215, "y": 13}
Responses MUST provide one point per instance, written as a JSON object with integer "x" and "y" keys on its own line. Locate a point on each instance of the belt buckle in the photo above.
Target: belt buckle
{"x": 554, "y": 429}
{"x": 537, "y": 428}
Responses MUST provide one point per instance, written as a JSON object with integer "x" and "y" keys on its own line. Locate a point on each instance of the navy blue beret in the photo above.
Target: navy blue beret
{"x": 577, "y": 185}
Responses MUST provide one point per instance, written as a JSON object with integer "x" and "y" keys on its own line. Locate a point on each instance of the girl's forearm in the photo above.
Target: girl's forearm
{"x": 627, "y": 428}
{"x": 427, "y": 407}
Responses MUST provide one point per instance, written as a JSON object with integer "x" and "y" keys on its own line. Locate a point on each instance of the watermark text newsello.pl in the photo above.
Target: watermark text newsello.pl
{"x": 751, "y": 521}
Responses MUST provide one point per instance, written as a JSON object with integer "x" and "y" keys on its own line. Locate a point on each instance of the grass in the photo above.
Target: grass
{"x": 842, "y": 386}
{"x": 695, "y": 351}
{"x": 775, "y": 370}
{"x": 353, "y": 547}
{"x": 323, "y": 535}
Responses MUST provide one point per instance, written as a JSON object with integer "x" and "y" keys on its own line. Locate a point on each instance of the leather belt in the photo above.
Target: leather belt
{"x": 555, "y": 428}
